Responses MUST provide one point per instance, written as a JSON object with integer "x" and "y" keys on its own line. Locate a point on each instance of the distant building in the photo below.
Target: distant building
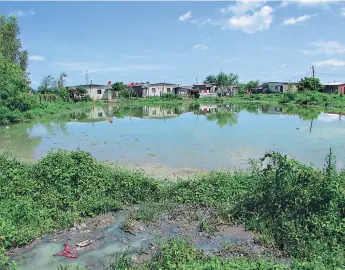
{"x": 183, "y": 90}
{"x": 95, "y": 91}
{"x": 281, "y": 87}
{"x": 334, "y": 88}
{"x": 206, "y": 87}
{"x": 158, "y": 89}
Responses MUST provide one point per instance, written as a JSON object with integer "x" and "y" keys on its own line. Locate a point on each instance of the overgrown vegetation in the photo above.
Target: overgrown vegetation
{"x": 301, "y": 208}
{"x": 308, "y": 98}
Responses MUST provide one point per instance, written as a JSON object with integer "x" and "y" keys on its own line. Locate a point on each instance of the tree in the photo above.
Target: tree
{"x": 210, "y": 79}
{"x": 265, "y": 86}
{"x": 9, "y": 43}
{"x": 62, "y": 80}
{"x": 252, "y": 84}
{"x": 126, "y": 92}
{"x": 23, "y": 62}
{"x": 290, "y": 87}
{"x": 242, "y": 88}
{"x": 223, "y": 117}
{"x": 310, "y": 84}
{"x": 48, "y": 85}
{"x": 118, "y": 86}
{"x": 11, "y": 79}
{"x": 224, "y": 81}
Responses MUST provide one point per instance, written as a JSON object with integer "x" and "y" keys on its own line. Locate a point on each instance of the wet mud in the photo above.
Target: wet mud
{"x": 122, "y": 232}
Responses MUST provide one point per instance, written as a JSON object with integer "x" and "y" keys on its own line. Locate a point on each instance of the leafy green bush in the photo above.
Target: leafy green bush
{"x": 60, "y": 188}
{"x": 22, "y": 102}
{"x": 301, "y": 207}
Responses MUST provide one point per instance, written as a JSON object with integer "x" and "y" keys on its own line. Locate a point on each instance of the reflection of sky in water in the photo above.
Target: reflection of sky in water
{"x": 193, "y": 141}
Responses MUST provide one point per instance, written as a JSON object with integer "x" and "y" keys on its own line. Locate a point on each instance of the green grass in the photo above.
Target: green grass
{"x": 302, "y": 209}
{"x": 45, "y": 109}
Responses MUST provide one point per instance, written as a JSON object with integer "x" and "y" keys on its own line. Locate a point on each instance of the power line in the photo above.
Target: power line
{"x": 299, "y": 76}
{"x": 329, "y": 74}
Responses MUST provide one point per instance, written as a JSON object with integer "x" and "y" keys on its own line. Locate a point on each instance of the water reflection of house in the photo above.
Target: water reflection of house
{"x": 208, "y": 108}
{"x": 159, "y": 112}
{"x": 275, "y": 110}
{"x": 101, "y": 112}
{"x": 93, "y": 115}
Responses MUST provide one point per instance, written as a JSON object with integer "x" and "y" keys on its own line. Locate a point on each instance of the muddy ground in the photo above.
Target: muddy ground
{"x": 138, "y": 232}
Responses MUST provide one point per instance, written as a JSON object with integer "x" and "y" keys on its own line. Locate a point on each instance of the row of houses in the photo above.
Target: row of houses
{"x": 105, "y": 92}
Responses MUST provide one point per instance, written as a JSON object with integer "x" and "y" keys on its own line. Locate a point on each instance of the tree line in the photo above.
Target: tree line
{"x": 226, "y": 81}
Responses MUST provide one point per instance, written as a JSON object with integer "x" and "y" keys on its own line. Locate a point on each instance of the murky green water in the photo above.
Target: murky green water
{"x": 189, "y": 136}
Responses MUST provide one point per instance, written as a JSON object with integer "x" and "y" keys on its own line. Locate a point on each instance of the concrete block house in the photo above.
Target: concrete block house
{"x": 334, "y": 88}
{"x": 95, "y": 91}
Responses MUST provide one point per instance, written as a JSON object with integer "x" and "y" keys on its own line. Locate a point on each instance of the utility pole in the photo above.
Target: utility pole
{"x": 313, "y": 71}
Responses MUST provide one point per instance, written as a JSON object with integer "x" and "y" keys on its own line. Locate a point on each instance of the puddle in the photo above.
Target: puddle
{"x": 106, "y": 241}
{"x": 108, "y": 238}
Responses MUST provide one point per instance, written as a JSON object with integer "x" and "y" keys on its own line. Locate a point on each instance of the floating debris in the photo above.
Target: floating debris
{"x": 67, "y": 252}
{"x": 84, "y": 243}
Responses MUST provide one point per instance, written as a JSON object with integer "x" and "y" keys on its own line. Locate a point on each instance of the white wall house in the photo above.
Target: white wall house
{"x": 158, "y": 89}
{"x": 96, "y": 91}
{"x": 100, "y": 92}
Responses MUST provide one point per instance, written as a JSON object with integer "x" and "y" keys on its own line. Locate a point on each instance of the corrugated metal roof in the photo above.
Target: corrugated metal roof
{"x": 334, "y": 84}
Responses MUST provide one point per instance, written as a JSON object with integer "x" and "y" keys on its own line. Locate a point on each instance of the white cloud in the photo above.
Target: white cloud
{"x": 293, "y": 20}
{"x": 186, "y": 16}
{"x": 283, "y": 65}
{"x": 314, "y": 2}
{"x": 343, "y": 12}
{"x": 201, "y": 23}
{"x": 21, "y": 13}
{"x": 327, "y": 47}
{"x": 284, "y": 4}
{"x": 243, "y": 7}
{"x": 330, "y": 63}
{"x": 36, "y": 58}
{"x": 258, "y": 21}
{"x": 200, "y": 46}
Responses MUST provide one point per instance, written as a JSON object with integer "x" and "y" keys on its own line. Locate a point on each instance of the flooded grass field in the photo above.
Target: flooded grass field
{"x": 180, "y": 141}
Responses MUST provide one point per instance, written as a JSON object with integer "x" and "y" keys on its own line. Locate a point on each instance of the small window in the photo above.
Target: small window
{"x": 99, "y": 92}
{"x": 100, "y": 114}
{"x": 169, "y": 112}
{"x": 153, "y": 90}
{"x": 168, "y": 90}
{"x": 154, "y": 112}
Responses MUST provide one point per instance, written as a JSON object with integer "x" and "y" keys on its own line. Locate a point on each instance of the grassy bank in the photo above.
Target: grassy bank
{"x": 8, "y": 116}
{"x": 299, "y": 208}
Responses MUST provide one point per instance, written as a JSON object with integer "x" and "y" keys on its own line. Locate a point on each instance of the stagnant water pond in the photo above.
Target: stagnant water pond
{"x": 183, "y": 138}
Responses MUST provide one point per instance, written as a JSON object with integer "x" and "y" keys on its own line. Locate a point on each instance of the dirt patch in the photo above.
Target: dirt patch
{"x": 121, "y": 232}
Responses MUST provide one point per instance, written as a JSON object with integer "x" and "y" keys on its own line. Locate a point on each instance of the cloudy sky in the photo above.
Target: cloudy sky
{"x": 178, "y": 42}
